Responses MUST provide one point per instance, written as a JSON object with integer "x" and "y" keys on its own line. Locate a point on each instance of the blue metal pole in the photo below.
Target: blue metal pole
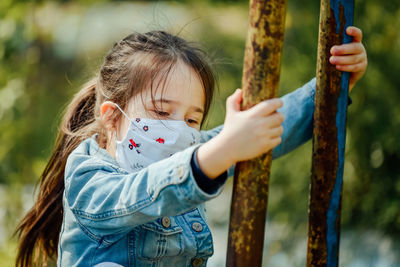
{"x": 328, "y": 137}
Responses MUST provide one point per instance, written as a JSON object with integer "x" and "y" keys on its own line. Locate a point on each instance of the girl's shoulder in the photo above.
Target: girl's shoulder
{"x": 89, "y": 156}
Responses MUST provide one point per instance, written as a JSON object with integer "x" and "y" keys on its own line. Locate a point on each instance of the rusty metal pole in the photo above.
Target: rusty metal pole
{"x": 260, "y": 82}
{"x": 328, "y": 137}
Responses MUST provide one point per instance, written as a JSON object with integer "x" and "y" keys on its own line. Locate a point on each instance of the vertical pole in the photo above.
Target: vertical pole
{"x": 328, "y": 137}
{"x": 260, "y": 82}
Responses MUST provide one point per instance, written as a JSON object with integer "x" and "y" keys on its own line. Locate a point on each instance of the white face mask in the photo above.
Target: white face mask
{"x": 151, "y": 140}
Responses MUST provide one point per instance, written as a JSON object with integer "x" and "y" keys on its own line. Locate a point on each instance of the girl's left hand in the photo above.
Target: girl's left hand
{"x": 351, "y": 57}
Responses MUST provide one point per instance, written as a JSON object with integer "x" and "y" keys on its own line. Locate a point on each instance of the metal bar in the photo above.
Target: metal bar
{"x": 260, "y": 82}
{"x": 328, "y": 137}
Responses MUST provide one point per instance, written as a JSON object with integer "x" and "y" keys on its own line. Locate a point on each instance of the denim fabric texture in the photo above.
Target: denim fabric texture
{"x": 156, "y": 216}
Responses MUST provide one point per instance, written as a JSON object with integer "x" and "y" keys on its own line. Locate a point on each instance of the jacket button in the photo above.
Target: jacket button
{"x": 166, "y": 221}
{"x": 197, "y": 262}
{"x": 181, "y": 171}
{"x": 198, "y": 227}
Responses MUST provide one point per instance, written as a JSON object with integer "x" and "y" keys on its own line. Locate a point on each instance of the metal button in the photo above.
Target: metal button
{"x": 198, "y": 227}
{"x": 181, "y": 171}
{"x": 166, "y": 222}
{"x": 197, "y": 262}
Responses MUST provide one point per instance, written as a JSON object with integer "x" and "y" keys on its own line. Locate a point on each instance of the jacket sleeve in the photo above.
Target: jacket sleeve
{"x": 298, "y": 110}
{"x": 106, "y": 200}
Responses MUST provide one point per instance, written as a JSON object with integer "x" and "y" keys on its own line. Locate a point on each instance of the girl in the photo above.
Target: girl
{"x": 130, "y": 171}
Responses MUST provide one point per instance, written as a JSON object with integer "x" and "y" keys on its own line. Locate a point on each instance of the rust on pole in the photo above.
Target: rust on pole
{"x": 328, "y": 137}
{"x": 260, "y": 82}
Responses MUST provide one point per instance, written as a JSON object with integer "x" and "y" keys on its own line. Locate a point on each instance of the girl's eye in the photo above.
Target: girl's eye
{"x": 192, "y": 121}
{"x": 161, "y": 113}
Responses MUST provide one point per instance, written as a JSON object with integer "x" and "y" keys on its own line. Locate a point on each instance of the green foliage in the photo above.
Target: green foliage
{"x": 374, "y": 147}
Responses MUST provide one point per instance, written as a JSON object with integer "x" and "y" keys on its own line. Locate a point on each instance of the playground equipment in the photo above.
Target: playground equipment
{"x": 260, "y": 82}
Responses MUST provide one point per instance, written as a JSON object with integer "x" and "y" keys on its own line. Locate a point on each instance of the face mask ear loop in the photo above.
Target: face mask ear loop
{"x": 126, "y": 116}
{"x": 123, "y": 112}
{"x": 115, "y": 136}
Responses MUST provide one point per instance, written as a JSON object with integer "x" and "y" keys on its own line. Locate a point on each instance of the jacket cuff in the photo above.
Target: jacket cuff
{"x": 203, "y": 181}
{"x": 349, "y": 101}
{"x": 182, "y": 174}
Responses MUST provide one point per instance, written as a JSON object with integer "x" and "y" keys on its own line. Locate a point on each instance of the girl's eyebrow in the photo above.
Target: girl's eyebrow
{"x": 170, "y": 101}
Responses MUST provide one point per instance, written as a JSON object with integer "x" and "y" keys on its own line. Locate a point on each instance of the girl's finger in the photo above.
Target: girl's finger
{"x": 346, "y": 60}
{"x": 234, "y": 100}
{"x": 347, "y": 49}
{"x": 276, "y": 141}
{"x": 265, "y": 108}
{"x": 352, "y": 68}
{"x": 276, "y": 132}
{"x": 274, "y": 120}
{"x": 355, "y": 32}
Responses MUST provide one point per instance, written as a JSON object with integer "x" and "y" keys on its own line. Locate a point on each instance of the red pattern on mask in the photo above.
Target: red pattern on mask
{"x": 160, "y": 140}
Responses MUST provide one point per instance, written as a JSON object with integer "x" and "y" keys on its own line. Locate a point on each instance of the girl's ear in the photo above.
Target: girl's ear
{"x": 107, "y": 109}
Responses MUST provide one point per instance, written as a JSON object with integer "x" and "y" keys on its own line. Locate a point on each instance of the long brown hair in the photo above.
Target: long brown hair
{"x": 129, "y": 67}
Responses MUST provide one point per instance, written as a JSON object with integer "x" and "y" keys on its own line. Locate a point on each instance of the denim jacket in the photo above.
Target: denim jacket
{"x": 153, "y": 217}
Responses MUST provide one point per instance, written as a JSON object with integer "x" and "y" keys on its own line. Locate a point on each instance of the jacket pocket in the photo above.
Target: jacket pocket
{"x": 159, "y": 239}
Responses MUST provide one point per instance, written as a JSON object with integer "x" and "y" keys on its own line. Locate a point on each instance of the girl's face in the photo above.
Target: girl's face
{"x": 181, "y": 98}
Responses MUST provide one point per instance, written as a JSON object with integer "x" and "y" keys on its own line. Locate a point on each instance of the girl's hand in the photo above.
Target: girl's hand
{"x": 351, "y": 57}
{"x": 246, "y": 134}
{"x": 252, "y": 132}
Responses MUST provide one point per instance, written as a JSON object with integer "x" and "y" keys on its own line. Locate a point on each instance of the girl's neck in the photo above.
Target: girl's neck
{"x": 110, "y": 147}
{"x": 108, "y": 143}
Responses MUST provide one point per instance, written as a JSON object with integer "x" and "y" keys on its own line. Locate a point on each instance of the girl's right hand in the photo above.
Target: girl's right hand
{"x": 245, "y": 135}
{"x": 251, "y": 132}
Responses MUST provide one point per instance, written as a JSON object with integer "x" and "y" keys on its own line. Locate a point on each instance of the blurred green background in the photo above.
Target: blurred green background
{"x": 49, "y": 49}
